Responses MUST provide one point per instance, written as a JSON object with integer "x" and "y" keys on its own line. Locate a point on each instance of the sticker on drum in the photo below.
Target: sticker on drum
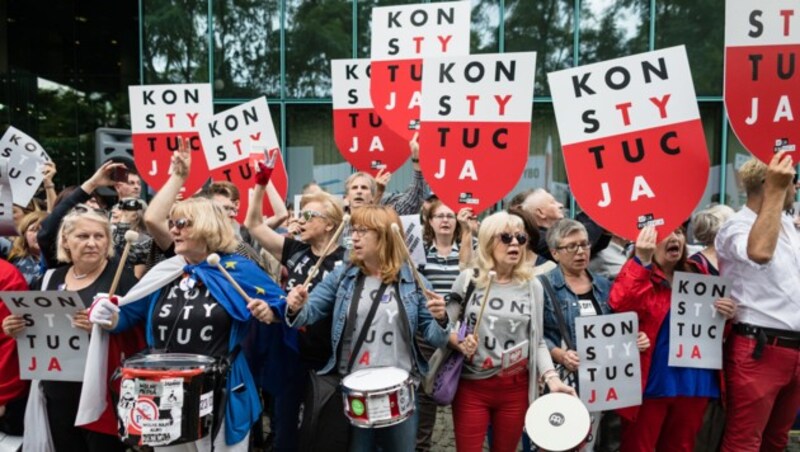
{"x": 378, "y": 397}
{"x": 557, "y": 422}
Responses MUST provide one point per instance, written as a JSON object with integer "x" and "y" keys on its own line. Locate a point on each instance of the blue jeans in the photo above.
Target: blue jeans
{"x": 397, "y": 438}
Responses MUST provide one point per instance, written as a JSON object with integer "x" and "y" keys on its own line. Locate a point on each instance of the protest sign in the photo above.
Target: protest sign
{"x": 401, "y": 37}
{"x": 695, "y": 326}
{"x": 632, "y": 139}
{"x": 49, "y": 347}
{"x": 609, "y": 376}
{"x": 363, "y": 138}
{"x": 7, "y": 227}
{"x": 413, "y": 233}
{"x": 234, "y": 140}
{"x": 476, "y": 126}
{"x": 26, "y": 159}
{"x": 762, "y": 84}
{"x": 160, "y": 114}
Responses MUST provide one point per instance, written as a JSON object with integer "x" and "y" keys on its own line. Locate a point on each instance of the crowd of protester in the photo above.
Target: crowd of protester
{"x": 306, "y": 286}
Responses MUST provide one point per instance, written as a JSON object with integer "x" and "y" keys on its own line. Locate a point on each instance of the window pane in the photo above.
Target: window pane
{"x": 316, "y": 32}
{"x": 699, "y": 25}
{"x": 175, "y": 41}
{"x": 246, "y": 49}
{"x": 311, "y": 152}
{"x": 711, "y": 115}
{"x": 543, "y": 26}
{"x": 613, "y": 29}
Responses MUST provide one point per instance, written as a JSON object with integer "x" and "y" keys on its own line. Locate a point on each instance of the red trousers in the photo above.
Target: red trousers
{"x": 763, "y": 395}
{"x": 502, "y": 401}
{"x": 665, "y": 424}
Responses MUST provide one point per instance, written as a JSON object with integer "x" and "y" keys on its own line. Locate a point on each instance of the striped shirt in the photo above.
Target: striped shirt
{"x": 441, "y": 271}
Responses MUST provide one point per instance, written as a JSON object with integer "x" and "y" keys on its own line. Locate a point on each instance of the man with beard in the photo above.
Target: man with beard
{"x": 759, "y": 252}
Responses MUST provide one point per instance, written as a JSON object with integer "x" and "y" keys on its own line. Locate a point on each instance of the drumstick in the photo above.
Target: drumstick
{"x": 213, "y": 259}
{"x": 409, "y": 261}
{"x": 130, "y": 237}
{"x": 492, "y": 274}
{"x": 334, "y": 239}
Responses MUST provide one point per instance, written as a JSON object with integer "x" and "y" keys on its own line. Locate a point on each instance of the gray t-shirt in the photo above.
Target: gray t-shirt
{"x": 505, "y": 324}
{"x": 385, "y": 344}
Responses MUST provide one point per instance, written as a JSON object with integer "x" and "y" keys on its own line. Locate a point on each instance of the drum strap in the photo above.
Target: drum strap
{"x": 350, "y": 328}
{"x": 562, "y": 324}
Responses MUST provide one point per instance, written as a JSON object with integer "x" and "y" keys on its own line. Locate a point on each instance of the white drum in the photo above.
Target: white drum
{"x": 378, "y": 397}
{"x": 558, "y": 422}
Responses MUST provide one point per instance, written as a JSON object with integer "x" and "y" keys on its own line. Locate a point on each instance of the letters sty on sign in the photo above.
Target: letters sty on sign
{"x": 632, "y": 139}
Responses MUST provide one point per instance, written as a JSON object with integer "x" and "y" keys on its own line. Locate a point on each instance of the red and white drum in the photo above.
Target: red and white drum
{"x": 378, "y": 397}
{"x": 166, "y": 399}
{"x": 558, "y": 422}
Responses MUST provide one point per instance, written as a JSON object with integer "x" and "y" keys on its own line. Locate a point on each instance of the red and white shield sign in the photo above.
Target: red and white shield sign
{"x": 762, "y": 78}
{"x": 401, "y": 37}
{"x": 364, "y": 139}
{"x": 633, "y": 140}
{"x": 234, "y": 140}
{"x": 160, "y": 114}
{"x": 476, "y": 126}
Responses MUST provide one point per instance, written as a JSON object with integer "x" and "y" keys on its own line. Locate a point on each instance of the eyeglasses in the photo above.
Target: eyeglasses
{"x": 131, "y": 204}
{"x": 230, "y": 209}
{"x": 307, "y": 215}
{"x": 360, "y": 231}
{"x": 180, "y": 223}
{"x": 573, "y": 247}
{"x": 507, "y": 238}
{"x": 444, "y": 216}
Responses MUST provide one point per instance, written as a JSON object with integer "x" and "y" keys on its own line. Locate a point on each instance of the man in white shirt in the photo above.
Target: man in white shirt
{"x": 759, "y": 252}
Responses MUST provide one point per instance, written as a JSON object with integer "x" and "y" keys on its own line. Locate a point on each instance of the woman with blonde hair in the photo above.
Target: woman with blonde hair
{"x": 491, "y": 387}
{"x": 377, "y": 282}
{"x": 84, "y": 244}
{"x": 188, "y": 306}
{"x": 25, "y": 253}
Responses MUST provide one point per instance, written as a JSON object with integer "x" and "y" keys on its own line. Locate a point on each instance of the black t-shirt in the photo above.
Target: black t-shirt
{"x": 69, "y": 392}
{"x": 315, "y": 341}
{"x": 187, "y": 319}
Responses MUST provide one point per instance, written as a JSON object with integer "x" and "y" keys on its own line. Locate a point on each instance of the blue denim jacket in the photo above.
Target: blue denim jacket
{"x": 568, "y": 301}
{"x": 332, "y": 297}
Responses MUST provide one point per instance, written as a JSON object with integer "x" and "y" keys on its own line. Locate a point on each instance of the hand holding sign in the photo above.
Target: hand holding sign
{"x": 646, "y": 245}
{"x": 780, "y": 173}
{"x": 13, "y": 325}
{"x": 726, "y": 307}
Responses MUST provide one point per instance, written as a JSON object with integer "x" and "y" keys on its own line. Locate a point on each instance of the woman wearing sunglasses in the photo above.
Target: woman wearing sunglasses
{"x": 188, "y": 306}
{"x": 493, "y": 386}
{"x": 377, "y": 267}
{"x": 128, "y": 215}
{"x": 84, "y": 246}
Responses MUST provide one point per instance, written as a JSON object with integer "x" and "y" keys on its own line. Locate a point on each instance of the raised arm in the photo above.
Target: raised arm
{"x": 410, "y": 201}
{"x": 259, "y": 230}
{"x": 49, "y": 172}
{"x": 763, "y": 237}
{"x": 155, "y": 217}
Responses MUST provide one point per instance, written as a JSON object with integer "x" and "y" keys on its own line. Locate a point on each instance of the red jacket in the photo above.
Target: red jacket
{"x": 11, "y": 387}
{"x": 648, "y": 293}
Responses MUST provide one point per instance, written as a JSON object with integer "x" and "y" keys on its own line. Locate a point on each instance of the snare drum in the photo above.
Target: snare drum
{"x": 558, "y": 422}
{"x": 166, "y": 399}
{"x": 378, "y": 397}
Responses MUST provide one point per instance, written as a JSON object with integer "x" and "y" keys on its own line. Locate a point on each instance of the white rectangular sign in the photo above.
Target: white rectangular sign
{"x": 49, "y": 347}
{"x": 609, "y": 375}
{"x": 26, "y": 159}
{"x": 695, "y": 326}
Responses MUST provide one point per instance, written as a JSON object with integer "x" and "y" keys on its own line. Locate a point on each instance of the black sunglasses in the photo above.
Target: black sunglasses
{"x": 180, "y": 223}
{"x": 507, "y": 238}
{"x": 130, "y": 204}
{"x": 83, "y": 208}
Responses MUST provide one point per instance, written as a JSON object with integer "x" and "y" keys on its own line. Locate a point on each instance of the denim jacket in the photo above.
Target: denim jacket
{"x": 568, "y": 302}
{"x": 334, "y": 294}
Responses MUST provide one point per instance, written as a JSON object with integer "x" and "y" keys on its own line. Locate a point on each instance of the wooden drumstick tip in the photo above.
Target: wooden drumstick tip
{"x": 492, "y": 275}
{"x": 346, "y": 218}
{"x": 131, "y": 236}
{"x": 395, "y": 228}
{"x": 213, "y": 259}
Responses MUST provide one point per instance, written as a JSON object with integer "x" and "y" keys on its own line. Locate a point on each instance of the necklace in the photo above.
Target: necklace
{"x": 83, "y": 276}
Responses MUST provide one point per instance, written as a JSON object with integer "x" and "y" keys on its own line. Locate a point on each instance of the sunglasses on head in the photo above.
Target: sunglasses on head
{"x": 180, "y": 223}
{"x": 130, "y": 204}
{"x": 83, "y": 208}
{"x": 507, "y": 238}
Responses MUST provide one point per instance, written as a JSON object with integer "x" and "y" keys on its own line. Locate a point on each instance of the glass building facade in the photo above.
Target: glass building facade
{"x": 65, "y": 66}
